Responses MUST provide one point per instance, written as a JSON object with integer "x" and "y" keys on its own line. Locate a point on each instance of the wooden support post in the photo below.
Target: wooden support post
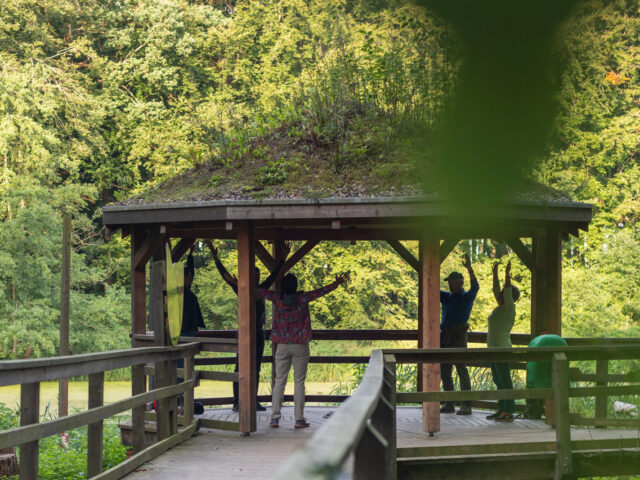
{"x": 560, "y": 368}
{"x": 546, "y": 283}
{"x": 430, "y": 273}
{"x": 369, "y": 462}
{"x": 65, "y": 288}
{"x": 246, "y": 328}
{"x": 156, "y": 312}
{"x": 94, "y": 430}
{"x": 29, "y": 414}
{"x": 602, "y": 368}
{"x": 188, "y": 394}
{"x": 554, "y": 282}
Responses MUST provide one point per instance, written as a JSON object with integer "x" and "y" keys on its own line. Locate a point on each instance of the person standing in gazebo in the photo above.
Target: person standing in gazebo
{"x": 291, "y": 330}
{"x": 260, "y": 311}
{"x": 456, "y": 309}
{"x": 501, "y": 322}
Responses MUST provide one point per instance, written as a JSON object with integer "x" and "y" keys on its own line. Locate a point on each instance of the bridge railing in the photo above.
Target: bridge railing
{"x": 348, "y": 430}
{"x": 29, "y": 374}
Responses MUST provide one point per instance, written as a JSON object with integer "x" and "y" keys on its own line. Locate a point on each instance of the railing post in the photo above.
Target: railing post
{"x": 561, "y": 416}
{"x": 602, "y": 368}
{"x": 29, "y": 413}
{"x": 138, "y": 385}
{"x": 156, "y": 311}
{"x": 389, "y": 393}
{"x": 370, "y": 455}
{"x": 188, "y": 394}
{"x": 94, "y": 430}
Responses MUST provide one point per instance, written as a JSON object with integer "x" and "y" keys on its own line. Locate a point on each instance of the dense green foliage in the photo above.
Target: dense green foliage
{"x": 104, "y": 100}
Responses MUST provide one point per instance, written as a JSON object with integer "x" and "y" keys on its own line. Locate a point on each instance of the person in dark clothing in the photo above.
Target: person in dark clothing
{"x": 260, "y": 310}
{"x": 191, "y": 314}
{"x": 456, "y": 309}
{"x": 191, "y": 320}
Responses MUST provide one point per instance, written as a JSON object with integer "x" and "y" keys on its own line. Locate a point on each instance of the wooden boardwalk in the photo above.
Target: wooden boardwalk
{"x": 215, "y": 454}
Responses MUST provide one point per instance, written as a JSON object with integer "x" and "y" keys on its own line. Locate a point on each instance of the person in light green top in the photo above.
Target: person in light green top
{"x": 500, "y": 324}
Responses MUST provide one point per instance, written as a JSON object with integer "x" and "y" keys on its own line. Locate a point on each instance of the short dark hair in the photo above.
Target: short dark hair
{"x": 289, "y": 283}
{"x": 515, "y": 293}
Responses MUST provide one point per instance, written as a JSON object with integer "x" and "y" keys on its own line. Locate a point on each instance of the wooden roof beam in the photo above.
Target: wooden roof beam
{"x": 181, "y": 248}
{"x": 523, "y": 252}
{"x": 298, "y": 255}
{"x": 446, "y": 247}
{"x": 264, "y": 256}
{"x": 150, "y": 244}
{"x": 405, "y": 254}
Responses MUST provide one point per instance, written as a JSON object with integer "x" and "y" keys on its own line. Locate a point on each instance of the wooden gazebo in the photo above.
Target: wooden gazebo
{"x": 437, "y": 226}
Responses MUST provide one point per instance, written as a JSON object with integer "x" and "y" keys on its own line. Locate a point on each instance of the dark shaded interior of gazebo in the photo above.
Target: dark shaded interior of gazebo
{"x": 437, "y": 227}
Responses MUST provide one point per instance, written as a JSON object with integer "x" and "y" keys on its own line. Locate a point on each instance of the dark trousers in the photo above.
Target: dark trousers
{"x": 502, "y": 378}
{"x": 455, "y": 337}
{"x": 259, "y": 353}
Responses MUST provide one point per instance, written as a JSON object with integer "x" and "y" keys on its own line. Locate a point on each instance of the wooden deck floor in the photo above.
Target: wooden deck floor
{"x": 215, "y": 454}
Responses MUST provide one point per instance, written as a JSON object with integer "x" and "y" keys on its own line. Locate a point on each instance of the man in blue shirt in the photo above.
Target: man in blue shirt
{"x": 456, "y": 309}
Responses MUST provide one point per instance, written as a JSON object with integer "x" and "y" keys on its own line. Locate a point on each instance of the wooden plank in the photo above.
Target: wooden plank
{"x": 538, "y": 285}
{"x": 430, "y": 273}
{"x": 94, "y": 430}
{"x": 416, "y": 397}
{"x": 219, "y": 425}
{"x": 246, "y": 328}
{"x": 560, "y": 374}
{"x": 602, "y": 391}
{"x": 602, "y": 369}
{"x": 299, "y": 255}
{"x": 29, "y": 415}
{"x": 218, "y": 376}
{"x": 20, "y": 435}
{"x": 188, "y": 374}
{"x": 513, "y": 447}
{"x": 148, "y": 454}
{"x": 522, "y": 251}
{"x": 405, "y": 254}
{"x": 446, "y": 247}
{"x": 138, "y": 386}
{"x": 579, "y": 420}
{"x": 181, "y": 248}
{"x": 370, "y": 462}
{"x": 156, "y": 304}
{"x": 264, "y": 256}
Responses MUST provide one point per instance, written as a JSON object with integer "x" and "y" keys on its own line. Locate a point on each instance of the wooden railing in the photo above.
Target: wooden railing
{"x": 29, "y": 374}
{"x": 364, "y": 426}
{"x": 325, "y": 455}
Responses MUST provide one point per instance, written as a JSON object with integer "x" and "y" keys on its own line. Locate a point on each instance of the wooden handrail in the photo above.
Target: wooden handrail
{"x": 29, "y": 373}
{"x": 14, "y": 372}
{"x": 324, "y": 455}
{"x": 352, "y": 428}
{"x": 36, "y": 431}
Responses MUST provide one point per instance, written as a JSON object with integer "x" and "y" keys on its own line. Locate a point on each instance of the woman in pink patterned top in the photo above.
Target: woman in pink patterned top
{"x": 291, "y": 330}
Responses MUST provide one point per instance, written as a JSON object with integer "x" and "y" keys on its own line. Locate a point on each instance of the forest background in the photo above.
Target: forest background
{"x": 101, "y": 101}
